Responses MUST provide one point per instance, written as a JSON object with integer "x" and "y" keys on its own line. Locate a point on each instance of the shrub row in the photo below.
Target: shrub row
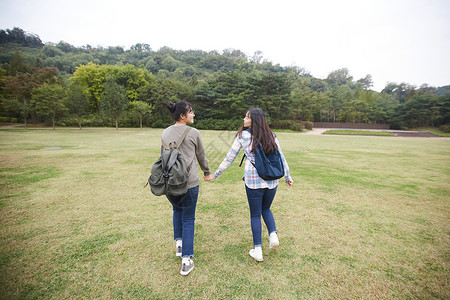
{"x": 445, "y": 128}
{"x": 8, "y": 120}
{"x": 293, "y": 125}
{"x": 215, "y": 124}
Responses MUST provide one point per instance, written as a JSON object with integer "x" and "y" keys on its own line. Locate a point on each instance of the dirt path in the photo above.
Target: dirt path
{"x": 318, "y": 131}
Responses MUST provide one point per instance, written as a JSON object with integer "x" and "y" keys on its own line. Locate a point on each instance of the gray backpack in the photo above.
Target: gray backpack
{"x": 169, "y": 174}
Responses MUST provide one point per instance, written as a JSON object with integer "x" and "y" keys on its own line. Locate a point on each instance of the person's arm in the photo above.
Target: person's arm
{"x": 201, "y": 156}
{"x": 229, "y": 158}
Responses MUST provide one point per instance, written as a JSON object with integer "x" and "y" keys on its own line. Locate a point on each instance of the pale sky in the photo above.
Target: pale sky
{"x": 393, "y": 40}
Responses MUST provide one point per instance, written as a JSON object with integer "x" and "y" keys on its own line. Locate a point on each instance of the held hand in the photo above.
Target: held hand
{"x": 209, "y": 177}
{"x": 289, "y": 182}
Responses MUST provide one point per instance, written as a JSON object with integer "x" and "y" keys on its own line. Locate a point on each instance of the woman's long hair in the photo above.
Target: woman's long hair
{"x": 260, "y": 131}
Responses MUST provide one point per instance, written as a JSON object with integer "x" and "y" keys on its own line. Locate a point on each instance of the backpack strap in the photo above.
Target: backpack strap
{"x": 242, "y": 160}
{"x": 178, "y": 144}
{"x": 188, "y": 168}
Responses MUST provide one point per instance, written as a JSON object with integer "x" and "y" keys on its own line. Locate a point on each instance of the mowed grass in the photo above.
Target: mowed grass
{"x": 367, "y": 217}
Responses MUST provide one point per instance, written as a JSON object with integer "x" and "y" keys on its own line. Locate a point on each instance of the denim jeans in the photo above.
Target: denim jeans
{"x": 184, "y": 219}
{"x": 259, "y": 201}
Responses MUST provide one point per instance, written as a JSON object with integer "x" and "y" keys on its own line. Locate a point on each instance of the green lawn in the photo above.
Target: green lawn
{"x": 367, "y": 217}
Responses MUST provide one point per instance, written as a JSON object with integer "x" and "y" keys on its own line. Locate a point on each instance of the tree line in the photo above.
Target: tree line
{"x": 95, "y": 86}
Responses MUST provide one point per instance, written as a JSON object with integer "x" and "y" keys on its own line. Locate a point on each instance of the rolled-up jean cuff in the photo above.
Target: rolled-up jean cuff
{"x": 190, "y": 256}
{"x": 178, "y": 238}
{"x": 259, "y": 245}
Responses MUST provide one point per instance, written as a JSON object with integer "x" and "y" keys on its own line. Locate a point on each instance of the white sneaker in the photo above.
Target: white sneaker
{"x": 256, "y": 254}
{"x": 274, "y": 243}
{"x": 187, "y": 265}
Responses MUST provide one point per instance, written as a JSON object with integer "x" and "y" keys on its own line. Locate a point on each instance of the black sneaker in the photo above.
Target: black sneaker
{"x": 179, "y": 251}
{"x": 186, "y": 268}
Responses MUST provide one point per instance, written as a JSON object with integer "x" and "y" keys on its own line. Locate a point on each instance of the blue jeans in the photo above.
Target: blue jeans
{"x": 259, "y": 201}
{"x": 184, "y": 219}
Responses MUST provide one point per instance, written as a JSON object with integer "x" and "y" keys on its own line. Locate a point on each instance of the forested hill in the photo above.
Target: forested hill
{"x": 70, "y": 85}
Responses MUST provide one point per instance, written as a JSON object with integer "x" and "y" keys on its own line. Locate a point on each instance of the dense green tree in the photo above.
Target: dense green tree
{"x": 302, "y": 100}
{"x": 160, "y": 93}
{"x": 444, "y": 109}
{"x": 139, "y": 47}
{"x": 18, "y": 90}
{"x": 402, "y": 92}
{"x": 92, "y": 77}
{"x": 339, "y": 77}
{"x": 141, "y": 108}
{"x": 170, "y": 64}
{"x": 48, "y": 100}
{"x": 217, "y": 62}
{"x": 113, "y": 101}
{"x": 273, "y": 91}
{"x": 18, "y": 65}
{"x": 19, "y": 36}
{"x": 77, "y": 101}
{"x": 132, "y": 79}
{"x": 366, "y": 82}
{"x": 51, "y": 51}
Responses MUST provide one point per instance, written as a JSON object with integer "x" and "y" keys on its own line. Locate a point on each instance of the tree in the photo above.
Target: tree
{"x": 51, "y": 51}
{"x": 273, "y": 90}
{"x": 402, "y": 92}
{"x": 342, "y": 95}
{"x": 17, "y": 65}
{"x": 339, "y": 77}
{"x": 170, "y": 64}
{"x": 141, "y": 47}
{"x": 366, "y": 82}
{"x": 113, "y": 101}
{"x": 302, "y": 100}
{"x": 17, "y": 35}
{"x": 257, "y": 57}
{"x": 131, "y": 78}
{"x": 193, "y": 82}
{"x": 162, "y": 92}
{"x": 141, "y": 108}
{"x": 18, "y": 89}
{"x": 77, "y": 101}
{"x": 92, "y": 77}
{"x": 48, "y": 100}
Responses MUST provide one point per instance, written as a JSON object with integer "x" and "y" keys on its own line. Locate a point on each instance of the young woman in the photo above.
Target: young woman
{"x": 260, "y": 193}
{"x": 184, "y": 211}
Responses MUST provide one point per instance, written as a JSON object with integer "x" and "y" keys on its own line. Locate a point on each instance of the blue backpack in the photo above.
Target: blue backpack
{"x": 269, "y": 166}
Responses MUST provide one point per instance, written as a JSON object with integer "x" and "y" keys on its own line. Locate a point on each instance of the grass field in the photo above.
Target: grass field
{"x": 367, "y": 217}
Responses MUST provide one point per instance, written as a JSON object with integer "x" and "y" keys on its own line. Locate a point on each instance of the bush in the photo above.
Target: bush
{"x": 281, "y": 124}
{"x": 160, "y": 124}
{"x": 5, "y": 119}
{"x": 445, "y": 128}
{"x": 308, "y": 125}
{"x": 217, "y": 124}
{"x": 91, "y": 120}
{"x": 297, "y": 127}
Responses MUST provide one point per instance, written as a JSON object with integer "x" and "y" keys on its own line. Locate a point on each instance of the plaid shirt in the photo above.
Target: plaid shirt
{"x": 251, "y": 177}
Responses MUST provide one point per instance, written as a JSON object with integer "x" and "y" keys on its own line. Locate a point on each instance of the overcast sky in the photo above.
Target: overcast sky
{"x": 393, "y": 40}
